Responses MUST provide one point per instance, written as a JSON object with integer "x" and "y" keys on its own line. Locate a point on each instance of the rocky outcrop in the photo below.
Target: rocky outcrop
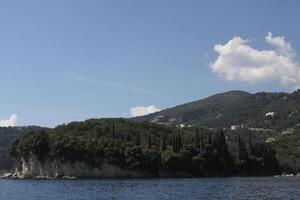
{"x": 33, "y": 168}
{"x": 52, "y": 169}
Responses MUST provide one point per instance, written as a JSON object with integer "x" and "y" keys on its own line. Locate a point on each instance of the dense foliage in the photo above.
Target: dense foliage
{"x": 7, "y": 135}
{"x": 287, "y": 146}
{"x": 149, "y": 147}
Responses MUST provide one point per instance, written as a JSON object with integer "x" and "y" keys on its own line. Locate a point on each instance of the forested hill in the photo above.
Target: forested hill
{"x": 264, "y": 110}
{"x": 143, "y": 146}
{"x": 7, "y": 135}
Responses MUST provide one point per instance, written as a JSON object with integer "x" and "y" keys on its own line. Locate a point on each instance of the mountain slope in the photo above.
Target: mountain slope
{"x": 265, "y": 110}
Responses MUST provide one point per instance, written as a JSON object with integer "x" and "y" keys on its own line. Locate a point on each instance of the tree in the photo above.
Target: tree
{"x": 128, "y": 137}
{"x": 242, "y": 151}
{"x": 250, "y": 142}
{"x": 202, "y": 142}
{"x": 222, "y": 145}
{"x": 198, "y": 164}
{"x": 134, "y": 157}
{"x": 113, "y": 129}
{"x": 174, "y": 142}
{"x": 97, "y": 131}
{"x": 138, "y": 139}
{"x": 157, "y": 143}
{"x": 171, "y": 160}
{"x": 210, "y": 138}
{"x": 149, "y": 139}
{"x": 164, "y": 142}
{"x": 179, "y": 141}
{"x": 152, "y": 160}
{"x": 197, "y": 140}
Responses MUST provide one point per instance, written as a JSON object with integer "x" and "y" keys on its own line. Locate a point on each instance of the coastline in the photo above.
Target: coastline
{"x": 12, "y": 177}
{"x": 32, "y": 168}
{"x": 170, "y": 175}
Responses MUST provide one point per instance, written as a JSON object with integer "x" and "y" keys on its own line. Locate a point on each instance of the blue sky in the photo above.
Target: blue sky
{"x": 71, "y": 60}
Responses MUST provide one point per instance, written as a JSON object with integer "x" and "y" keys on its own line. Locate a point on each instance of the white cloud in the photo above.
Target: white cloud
{"x": 281, "y": 45}
{"x": 140, "y": 110}
{"x": 239, "y": 61}
{"x": 12, "y": 121}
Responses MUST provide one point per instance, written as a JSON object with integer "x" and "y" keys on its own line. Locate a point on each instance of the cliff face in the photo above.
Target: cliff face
{"x": 33, "y": 168}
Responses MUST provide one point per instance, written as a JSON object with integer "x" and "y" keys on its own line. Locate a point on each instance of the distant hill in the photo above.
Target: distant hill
{"x": 7, "y": 135}
{"x": 263, "y": 110}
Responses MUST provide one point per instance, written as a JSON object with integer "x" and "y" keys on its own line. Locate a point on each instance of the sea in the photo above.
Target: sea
{"x": 241, "y": 188}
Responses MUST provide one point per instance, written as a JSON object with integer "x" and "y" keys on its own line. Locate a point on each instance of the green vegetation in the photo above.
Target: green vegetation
{"x": 287, "y": 146}
{"x": 7, "y": 135}
{"x": 149, "y": 147}
{"x": 235, "y": 107}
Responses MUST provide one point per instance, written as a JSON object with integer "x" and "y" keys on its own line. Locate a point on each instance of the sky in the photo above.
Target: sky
{"x": 63, "y": 61}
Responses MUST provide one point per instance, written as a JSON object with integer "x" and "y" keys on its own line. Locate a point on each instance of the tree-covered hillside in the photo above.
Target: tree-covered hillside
{"x": 287, "y": 145}
{"x": 7, "y": 135}
{"x": 264, "y": 110}
{"x": 149, "y": 147}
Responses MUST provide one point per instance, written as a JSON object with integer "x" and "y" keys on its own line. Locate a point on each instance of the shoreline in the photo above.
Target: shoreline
{"x": 12, "y": 176}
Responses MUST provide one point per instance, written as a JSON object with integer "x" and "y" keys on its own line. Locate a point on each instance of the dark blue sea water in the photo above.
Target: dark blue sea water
{"x": 146, "y": 189}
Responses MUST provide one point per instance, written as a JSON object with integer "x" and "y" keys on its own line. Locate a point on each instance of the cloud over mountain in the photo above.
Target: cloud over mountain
{"x": 141, "y": 110}
{"x": 238, "y": 61}
{"x": 12, "y": 121}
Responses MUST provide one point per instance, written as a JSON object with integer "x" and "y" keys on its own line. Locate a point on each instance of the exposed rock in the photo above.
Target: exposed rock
{"x": 33, "y": 168}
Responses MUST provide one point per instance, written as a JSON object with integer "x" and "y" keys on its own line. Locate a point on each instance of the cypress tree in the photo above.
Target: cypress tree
{"x": 236, "y": 139}
{"x": 150, "y": 139}
{"x": 96, "y": 132}
{"x": 250, "y": 143}
{"x": 239, "y": 147}
{"x": 197, "y": 140}
{"x": 138, "y": 139}
{"x": 173, "y": 142}
{"x": 243, "y": 154}
{"x": 222, "y": 145}
{"x": 88, "y": 138}
{"x": 202, "y": 141}
{"x": 176, "y": 142}
{"x": 128, "y": 137}
{"x": 179, "y": 141}
{"x": 222, "y": 141}
{"x": 210, "y": 138}
{"x": 113, "y": 129}
{"x": 164, "y": 143}
{"x": 157, "y": 142}
{"x": 214, "y": 139}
